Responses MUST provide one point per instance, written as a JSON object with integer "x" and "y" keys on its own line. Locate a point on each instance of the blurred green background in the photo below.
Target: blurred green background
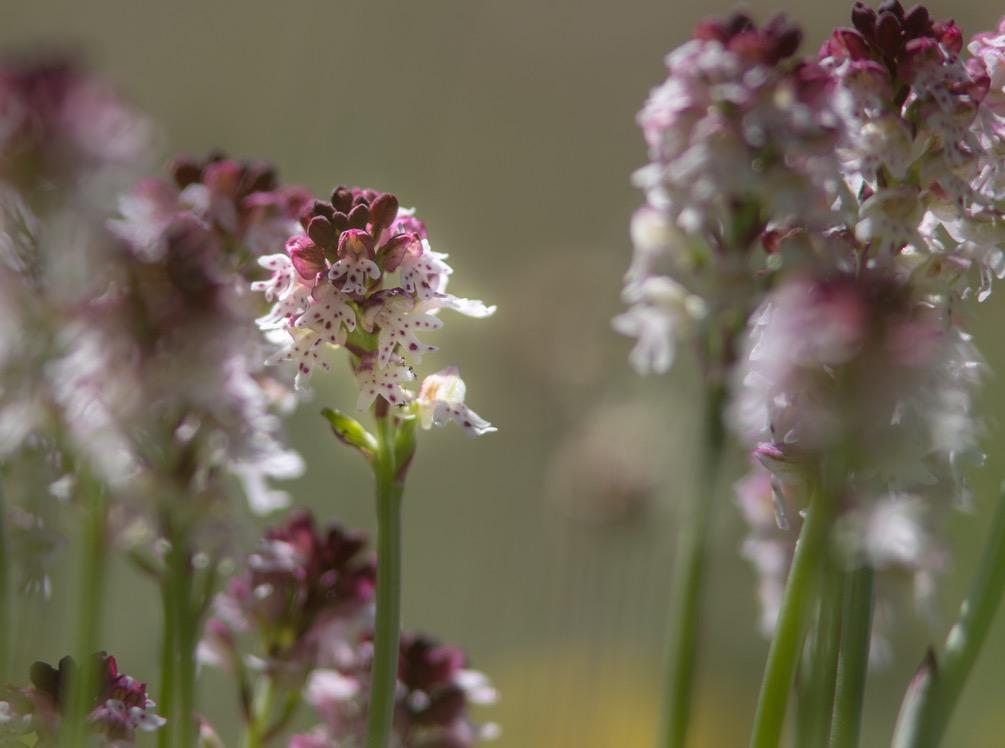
{"x": 545, "y": 549}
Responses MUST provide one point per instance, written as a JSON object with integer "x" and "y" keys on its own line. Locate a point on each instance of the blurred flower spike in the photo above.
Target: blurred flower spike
{"x": 121, "y": 707}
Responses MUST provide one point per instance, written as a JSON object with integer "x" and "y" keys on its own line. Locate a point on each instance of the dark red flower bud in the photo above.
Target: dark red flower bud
{"x": 342, "y": 199}
{"x": 383, "y": 211}
{"x": 889, "y": 33}
{"x": 785, "y": 35}
{"x": 738, "y": 23}
{"x": 394, "y": 251}
{"x": 863, "y": 18}
{"x": 258, "y": 177}
{"x": 185, "y": 171}
{"x": 848, "y": 43}
{"x": 321, "y": 231}
{"x": 340, "y": 221}
{"x": 359, "y": 217}
{"x": 891, "y": 6}
{"x": 321, "y": 208}
{"x": 917, "y": 22}
{"x": 308, "y": 258}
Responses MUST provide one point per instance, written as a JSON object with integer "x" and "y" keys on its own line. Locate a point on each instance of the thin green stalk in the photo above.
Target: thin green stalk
{"x": 384, "y": 675}
{"x": 797, "y": 602}
{"x": 694, "y": 526}
{"x": 5, "y": 601}
{"x": 89, "y": 611}
{"x": 166, "y": 701}
{"x": 937, "y": 688}
{"x": 261, "y": 714}
{"x": 853, "y": 662}
{"x": 817, "y": 697}
{"x": 186, "y": 624}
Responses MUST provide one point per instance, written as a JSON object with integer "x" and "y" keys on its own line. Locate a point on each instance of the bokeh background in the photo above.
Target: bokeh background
{"x": 545, "y": 549}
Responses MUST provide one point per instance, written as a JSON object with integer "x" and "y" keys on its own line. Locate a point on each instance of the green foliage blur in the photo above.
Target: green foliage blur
{"x": 544, "y": 550}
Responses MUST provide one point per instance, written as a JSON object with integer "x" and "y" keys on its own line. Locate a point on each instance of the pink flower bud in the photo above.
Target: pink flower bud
{"x": 308, "y": 258}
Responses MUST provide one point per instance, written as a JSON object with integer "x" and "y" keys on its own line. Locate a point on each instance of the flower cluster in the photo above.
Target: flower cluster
{"x": 435, "y": 691}
{"x": 167, "y": 354}
{"x": 305, "y": 594}
{"x": 361, "y": 275}
{"x": 921, "y": 147}
{"x": 741, "y": 137}
{"x": 65, "y": 134}
{"x": 300, "y": 614}
{"x": 872, "y": 178}
{"x": 120, "y": 710}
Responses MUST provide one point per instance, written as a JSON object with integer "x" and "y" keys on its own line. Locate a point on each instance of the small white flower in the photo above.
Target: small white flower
{"x": 325, "y": 687}
{"x": 399, "y": 320}
{"x": 660, "y": 307}
{"x": 421, "y": 273}
{"x": 441, "y": 400}
{"x": 328, "y": 315}
{"x": 356, "y": 267}
{"x": 386, "y": 382}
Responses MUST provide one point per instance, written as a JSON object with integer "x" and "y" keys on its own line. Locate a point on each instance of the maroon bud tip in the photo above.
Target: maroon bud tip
{"x": 863, "y": 18}
{"x": 888, "y": 34}
{"x": 891, "y": 6}
{"x": 339, "y": 221}
{"x": 342, "y": 199}
{"x": 308, "y": 258}
{"x": 917, "y": 22}
{"x": 738, "y": 23}
{"x": 848, "y": 43}
{"x": 383, "y": 211}
{"x": 321, "y": 231}
{"x": 787, "y": 41}
{"x": 321, "y": 208}
{"x": 185, "y": 171}
{"x": 359, "y": 217}
{"x": 259, "y": 178}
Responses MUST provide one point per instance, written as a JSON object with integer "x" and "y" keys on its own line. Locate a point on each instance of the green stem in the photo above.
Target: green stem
{"x": 89, "y": 611}
{"x": 817, "y": 702}
{"x": 693, "y": 528}
{"x": 800, "y": 590}
{"x": 186, "y": 623}
{"x": 261, "y": 714}
{"x": 929, "y": 704}
{"x": 166, "y": 701}
{"x": 5, "y": 606}
{"x": 384, "y": 675}
{"x": 853, "y": 661}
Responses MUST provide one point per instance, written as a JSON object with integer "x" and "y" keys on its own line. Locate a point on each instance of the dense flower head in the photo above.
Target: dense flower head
{"x": 61, "y": 128}
{"x": 305, "y": 595}
{"x": 435, "y": 692}
{"x": 121, "y": 706}
{"x": 856, "y": 367}
{"x": 741, "y": 139}
{"x": 163, "y": 370}
{"x": 241, "y": 202}
{"x": 361, "y": 275}
{"x": 299, "y": 612}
